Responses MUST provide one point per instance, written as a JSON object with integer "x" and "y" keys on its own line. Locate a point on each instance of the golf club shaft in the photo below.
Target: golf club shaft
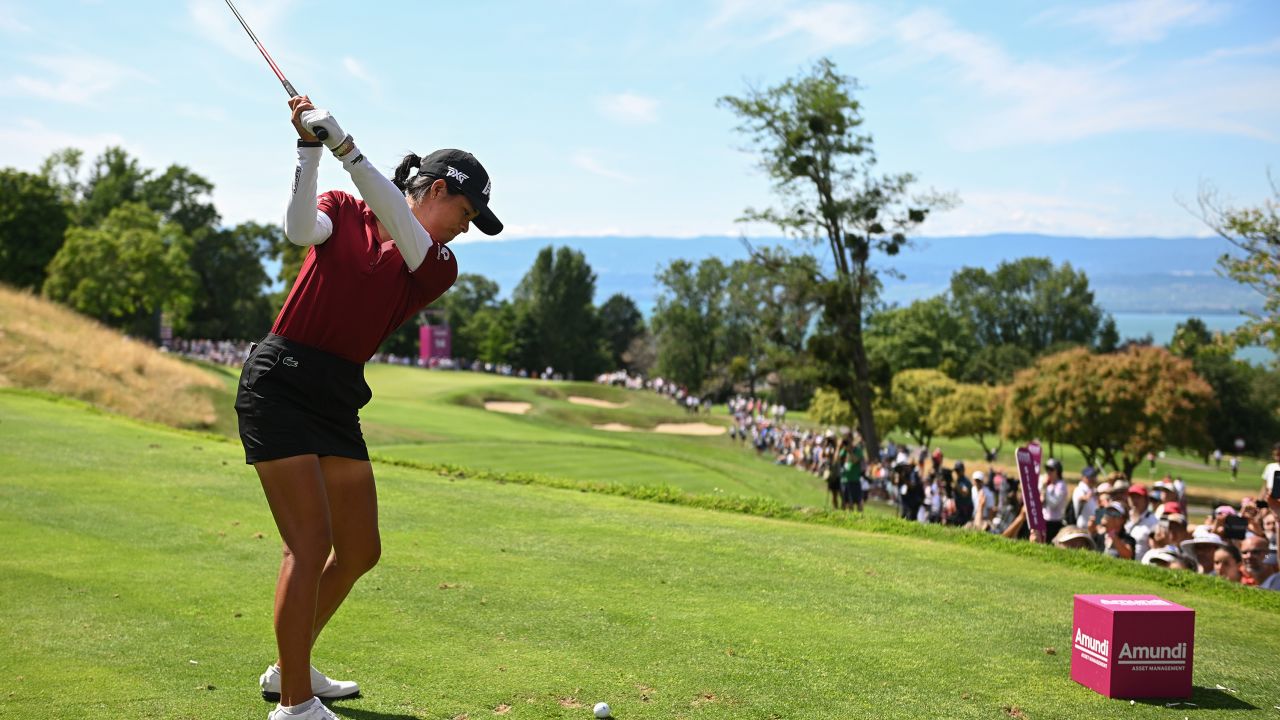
{"x": 288, "y": 86}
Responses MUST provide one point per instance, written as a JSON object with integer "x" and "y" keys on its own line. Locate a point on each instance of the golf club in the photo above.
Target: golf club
{"x": 288, "y": 86}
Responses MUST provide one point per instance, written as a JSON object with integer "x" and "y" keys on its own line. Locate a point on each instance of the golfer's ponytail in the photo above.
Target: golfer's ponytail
{"x": 401, "y": 179}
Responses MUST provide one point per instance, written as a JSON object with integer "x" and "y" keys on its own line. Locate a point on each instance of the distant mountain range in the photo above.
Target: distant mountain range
{"x": 1128, "y": 275}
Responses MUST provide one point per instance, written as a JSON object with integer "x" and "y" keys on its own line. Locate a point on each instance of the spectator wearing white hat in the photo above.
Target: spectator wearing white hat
{"x": 984, "y": 502}
{"x": 1085, "y": 497}
{"x": 1074, "y": 538}
{"x": 1168, "y": 556}
{"x": 1054, "y": 491}
{"x": 1203, "y": 543}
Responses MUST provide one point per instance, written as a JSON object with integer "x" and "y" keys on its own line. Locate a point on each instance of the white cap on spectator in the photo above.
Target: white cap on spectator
{"x": 1168, "y": 554}
{"x": 977, "y": 475}
{"x": 1202, "y": 536}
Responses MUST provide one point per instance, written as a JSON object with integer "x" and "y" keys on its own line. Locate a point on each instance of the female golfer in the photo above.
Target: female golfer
{"x": 372, "y": 264}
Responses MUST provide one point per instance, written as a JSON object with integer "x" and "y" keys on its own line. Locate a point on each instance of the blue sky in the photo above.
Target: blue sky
{"x": 1085, "y": 118}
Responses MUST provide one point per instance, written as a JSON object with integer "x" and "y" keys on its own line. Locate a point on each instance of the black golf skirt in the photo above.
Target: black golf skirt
{"x": 296, "y": 400}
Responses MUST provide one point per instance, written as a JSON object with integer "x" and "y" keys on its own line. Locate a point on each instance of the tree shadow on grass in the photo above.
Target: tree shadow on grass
{"x": 1204, "y": 698}
{"x": 357, "y": 714}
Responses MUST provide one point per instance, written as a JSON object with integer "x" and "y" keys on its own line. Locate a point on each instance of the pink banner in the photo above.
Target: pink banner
{"x": 1029, "y": 473}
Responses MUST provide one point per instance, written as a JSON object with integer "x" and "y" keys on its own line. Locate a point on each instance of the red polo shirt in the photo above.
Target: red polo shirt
{"x": 353, "y": 289}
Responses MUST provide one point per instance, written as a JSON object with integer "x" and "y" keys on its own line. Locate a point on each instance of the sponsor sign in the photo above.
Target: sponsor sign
{"x": 1029, "y": 473}
{"x": 1132, "y": 646}
{"x": 435, "y": 342}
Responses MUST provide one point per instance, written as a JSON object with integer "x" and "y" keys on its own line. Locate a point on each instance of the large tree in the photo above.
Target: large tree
{"x": 1255, "y": 234}
{"x": 33, "y": 219}
{"x": 1113, "y": 408}
{"x": 621, "y": 323}
{"x": 913, "y": 395}
{"x": 558, "y": 325}
{"x": 688, "y": 320}
{"x": 1027, "y": 303}
{"x": 231, "y": 298}
{"x": 1248, "y": 396}
{"x": 971, "y": 411}
{"x": 808, "y": 131}
{"x": 925, "y": 334}
{"x": 125, "y": 272}
{"x": 469, "y": 295}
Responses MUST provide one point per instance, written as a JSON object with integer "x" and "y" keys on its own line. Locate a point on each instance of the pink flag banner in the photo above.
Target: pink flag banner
{"x": 1029, "y": 473}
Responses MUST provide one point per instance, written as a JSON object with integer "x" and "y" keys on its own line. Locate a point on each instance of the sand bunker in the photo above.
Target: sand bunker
{"x": 579, "y": 400}
{"x": 512, "y": 408}
{"x": 614, "y": 427}
{"x": 697, "y": 428}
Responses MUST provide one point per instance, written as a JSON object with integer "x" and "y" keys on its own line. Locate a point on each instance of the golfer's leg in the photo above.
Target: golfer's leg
{"x": 356, "y": 544}
{"x": 296, "y": 493}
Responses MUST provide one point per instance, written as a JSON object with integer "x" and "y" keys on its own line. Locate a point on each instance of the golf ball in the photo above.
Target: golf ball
{"x": 602, "y": 710}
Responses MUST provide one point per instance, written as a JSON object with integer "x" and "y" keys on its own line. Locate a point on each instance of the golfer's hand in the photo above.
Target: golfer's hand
{"x": 313, "y": 120}
{"x": 300, "y": 104}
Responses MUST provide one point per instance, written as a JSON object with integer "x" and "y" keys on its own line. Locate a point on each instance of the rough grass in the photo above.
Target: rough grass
{"x": 44, "y": 346}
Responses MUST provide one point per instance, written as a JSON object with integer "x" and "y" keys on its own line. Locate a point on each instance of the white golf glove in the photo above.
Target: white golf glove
{"x": 315, "y": 120}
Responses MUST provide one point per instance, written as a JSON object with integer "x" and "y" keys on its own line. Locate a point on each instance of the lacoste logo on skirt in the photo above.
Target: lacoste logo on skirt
{"x": 290, "y": 361}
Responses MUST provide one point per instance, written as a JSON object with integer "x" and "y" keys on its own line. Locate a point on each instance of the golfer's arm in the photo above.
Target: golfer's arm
{"x": 388, "y": 204}
{"x": 304, "y": 224}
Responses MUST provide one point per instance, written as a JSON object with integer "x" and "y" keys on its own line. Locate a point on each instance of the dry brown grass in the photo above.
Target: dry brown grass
{"x": 45, "y": 346}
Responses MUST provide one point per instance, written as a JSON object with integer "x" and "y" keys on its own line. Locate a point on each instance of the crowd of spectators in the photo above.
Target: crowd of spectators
{"x": 220, "y": 352}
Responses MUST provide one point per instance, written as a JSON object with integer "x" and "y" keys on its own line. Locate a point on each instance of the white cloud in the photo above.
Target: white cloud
{"x": 987, "y": 211}
{"x": 1011, "y": 102}
{"x": 829, "y": 25}
{"x": 10, "y": 22}
{"x": 823, "y": 26}
{"x": 586, "y": 160}
{"x": 629, "y": 108}
{"x": 77, "y": 79}
{"x": 214, "y": 20}
{"x": 1133, "y": 22}
{"x": 29, "y": 142}
{"x": 357, "y": 71}
{"x": 1258, "y": 50}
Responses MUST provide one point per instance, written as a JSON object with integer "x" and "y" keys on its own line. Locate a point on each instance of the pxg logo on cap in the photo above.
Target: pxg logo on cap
{"x": 465, "y": 173}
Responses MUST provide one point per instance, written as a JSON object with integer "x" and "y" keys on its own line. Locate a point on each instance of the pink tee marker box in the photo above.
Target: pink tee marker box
{"x": 1132, "y": 646}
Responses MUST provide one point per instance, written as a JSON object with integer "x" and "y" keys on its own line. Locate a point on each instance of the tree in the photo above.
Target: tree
{"x": 688, "y": 320}
{"x": 807, "y": 130}
{"x": 33, "y": 220}
{"x": 1248, "y": 397}
{"x": 557, "y": 323}
{"x": 1027, "y": 303}
{"x": 925, "y": 334}
{"x": 621, "y": 323}
{"x": 828, "y": 408}
{"x": 913, "y": 396}
{"x": 1255, "y": 235}
{"x": 126, "y": 271}
{"x": 970, "y": 411}
{"x": 230, "y": 300}
{"x": 469, "y": 294}
{"x": 492, "y": 332}
{"x": 114, "y": 179}
{"x": 1113, "y": 408}
{"x": 181, "y": 197}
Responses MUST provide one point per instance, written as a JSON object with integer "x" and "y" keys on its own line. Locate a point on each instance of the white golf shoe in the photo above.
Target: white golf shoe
{"x": 321, "y": 686}
{"x": 314, "y": 711}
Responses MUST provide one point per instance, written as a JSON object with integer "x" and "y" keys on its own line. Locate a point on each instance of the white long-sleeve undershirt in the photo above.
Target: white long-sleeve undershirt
{"x": 306, "y": 225}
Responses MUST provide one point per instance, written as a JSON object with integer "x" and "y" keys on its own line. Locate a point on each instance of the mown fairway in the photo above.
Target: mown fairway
{"x": 140, "y": 562}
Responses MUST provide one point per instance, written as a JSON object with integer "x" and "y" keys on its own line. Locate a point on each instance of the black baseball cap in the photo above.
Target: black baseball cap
{"x": 462, "y": 171}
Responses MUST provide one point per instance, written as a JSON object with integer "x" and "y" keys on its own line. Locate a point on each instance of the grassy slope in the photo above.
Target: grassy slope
{"x": 134, "y": 550}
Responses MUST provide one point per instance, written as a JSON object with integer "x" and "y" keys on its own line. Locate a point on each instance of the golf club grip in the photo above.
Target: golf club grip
{"x": 322, "y": 134}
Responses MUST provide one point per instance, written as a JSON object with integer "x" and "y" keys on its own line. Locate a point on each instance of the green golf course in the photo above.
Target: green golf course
{"x": 533, "y": 565}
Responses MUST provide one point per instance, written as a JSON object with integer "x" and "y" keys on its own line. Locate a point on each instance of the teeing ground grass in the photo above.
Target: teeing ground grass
{"x": 140, "y": 563}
